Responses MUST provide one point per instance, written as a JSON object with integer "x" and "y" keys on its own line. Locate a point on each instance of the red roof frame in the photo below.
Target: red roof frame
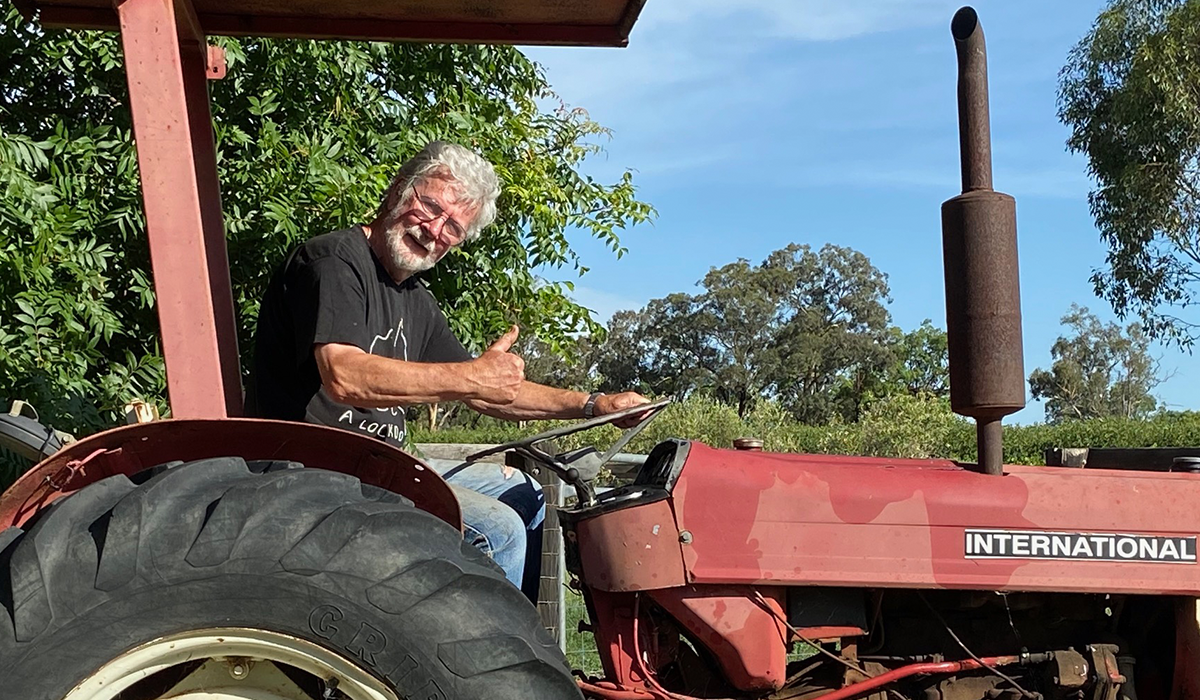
{"x": 528, "y": 22}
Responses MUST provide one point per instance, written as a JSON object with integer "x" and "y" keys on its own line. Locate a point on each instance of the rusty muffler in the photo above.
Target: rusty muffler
{"x": 979, "y": 249}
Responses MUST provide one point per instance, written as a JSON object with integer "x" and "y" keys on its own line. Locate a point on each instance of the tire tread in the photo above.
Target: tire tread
{"x": 219, "y": 517}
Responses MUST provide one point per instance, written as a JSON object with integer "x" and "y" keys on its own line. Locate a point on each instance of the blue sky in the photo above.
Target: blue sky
{"x": 834, "y": 121}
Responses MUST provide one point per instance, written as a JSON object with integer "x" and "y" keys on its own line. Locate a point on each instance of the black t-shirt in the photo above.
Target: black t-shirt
{"x": 332, "y": 289}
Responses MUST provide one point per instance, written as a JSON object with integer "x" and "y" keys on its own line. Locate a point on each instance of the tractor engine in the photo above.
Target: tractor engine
{"x": 1066, "y": 646}
{"x": 941, "y": 645}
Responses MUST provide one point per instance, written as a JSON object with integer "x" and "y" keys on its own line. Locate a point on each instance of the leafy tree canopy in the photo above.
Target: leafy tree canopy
{"x": 1101, "y": 370}
{"x": 920, "y": 362}
{"x": 308, "y": 135}
{"x": 833, "y": 340}
{"x": 798, "y": 327}
{"x": 572, "y": 366}
{"x": 1130, "y": 94}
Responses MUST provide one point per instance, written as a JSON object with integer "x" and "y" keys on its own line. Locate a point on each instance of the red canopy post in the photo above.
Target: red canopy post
{"x": 166, "y": 57}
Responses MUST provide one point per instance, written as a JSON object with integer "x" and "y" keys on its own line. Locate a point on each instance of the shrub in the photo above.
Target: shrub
{"x": 895, "y": 426}
{"x": 908, "y": 426}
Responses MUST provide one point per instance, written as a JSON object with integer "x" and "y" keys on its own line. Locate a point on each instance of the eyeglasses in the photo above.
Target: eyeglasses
{"x": 431, "y": 210}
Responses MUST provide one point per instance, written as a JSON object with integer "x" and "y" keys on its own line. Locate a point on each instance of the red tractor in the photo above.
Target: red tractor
{"x": 216, "y": 557}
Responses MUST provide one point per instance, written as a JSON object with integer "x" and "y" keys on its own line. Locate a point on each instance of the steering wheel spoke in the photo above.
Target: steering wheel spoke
{"x": 527, "y": 447}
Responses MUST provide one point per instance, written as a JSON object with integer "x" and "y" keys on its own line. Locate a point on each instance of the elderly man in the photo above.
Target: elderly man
{"x": 348, "y": 337}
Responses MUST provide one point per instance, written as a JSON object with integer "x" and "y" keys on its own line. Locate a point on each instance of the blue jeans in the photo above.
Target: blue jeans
{"x": 502, "y": 516}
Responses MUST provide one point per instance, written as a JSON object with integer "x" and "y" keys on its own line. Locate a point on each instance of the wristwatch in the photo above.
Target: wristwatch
{"x": 589, "y": 406}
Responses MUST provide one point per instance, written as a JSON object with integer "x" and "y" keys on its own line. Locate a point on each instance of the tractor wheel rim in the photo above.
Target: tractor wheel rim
{"x": 229, "y": 664}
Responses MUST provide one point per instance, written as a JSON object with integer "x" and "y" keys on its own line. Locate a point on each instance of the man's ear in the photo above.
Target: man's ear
{"x": 392, "y": 200}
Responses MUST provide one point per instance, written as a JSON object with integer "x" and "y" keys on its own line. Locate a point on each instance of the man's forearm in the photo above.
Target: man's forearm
{"x": 536, "y": 402}
{"x": 370, "y": 381}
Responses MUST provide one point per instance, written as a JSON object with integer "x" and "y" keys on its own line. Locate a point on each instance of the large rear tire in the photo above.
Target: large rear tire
{"x": 309, "y": 569}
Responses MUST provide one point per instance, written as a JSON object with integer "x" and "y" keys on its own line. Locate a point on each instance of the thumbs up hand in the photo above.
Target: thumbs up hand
{"x": 498, "y": 374}
{"x": 504, "y": 342}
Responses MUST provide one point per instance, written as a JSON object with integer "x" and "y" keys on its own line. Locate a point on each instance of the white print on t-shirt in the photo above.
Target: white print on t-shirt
{"x": 395, "y": 335}
{"x": 389, "y": 430}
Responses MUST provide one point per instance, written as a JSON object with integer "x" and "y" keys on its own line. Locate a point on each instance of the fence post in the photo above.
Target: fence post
{"x": 551, "y": 606}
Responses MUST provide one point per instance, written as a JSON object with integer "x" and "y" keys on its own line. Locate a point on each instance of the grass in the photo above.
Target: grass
{"x": 581, "y": 646}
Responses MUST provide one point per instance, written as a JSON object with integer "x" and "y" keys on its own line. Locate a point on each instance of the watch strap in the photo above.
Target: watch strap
{"x": 589, "y": 406}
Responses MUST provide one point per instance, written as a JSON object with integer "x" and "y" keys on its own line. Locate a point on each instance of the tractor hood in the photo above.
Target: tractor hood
{"x": 730, "y": 517}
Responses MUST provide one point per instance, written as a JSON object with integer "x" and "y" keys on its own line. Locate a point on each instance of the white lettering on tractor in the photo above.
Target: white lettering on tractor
{"x": 1087, "y": 546}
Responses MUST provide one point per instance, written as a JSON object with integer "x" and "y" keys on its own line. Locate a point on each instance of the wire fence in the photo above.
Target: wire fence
{"x": 581, "y": 646}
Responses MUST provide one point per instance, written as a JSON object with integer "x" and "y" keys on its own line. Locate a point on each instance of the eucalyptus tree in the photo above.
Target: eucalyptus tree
{"x": 1129, "y": 95}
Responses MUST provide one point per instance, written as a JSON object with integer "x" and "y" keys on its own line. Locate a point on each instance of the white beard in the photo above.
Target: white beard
{"x": 403, "y": 257}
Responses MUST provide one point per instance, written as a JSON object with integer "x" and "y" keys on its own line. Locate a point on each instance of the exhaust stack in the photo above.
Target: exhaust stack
{"x": 979, "y": 249}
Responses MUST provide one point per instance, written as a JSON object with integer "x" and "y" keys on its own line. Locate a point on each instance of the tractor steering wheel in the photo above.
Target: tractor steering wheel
{"x": 579, "y": 467}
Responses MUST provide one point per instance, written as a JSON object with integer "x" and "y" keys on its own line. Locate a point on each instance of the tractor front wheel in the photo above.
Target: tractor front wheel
{"x": 222, "y": 579}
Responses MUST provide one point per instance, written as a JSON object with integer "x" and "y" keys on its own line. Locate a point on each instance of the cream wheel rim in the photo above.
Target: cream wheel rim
{"x": 230, "y": 664}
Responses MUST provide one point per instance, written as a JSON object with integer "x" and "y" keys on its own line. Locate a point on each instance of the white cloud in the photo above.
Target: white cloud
{"x": 704, "y": 81}
{"x": 684, "y": 45}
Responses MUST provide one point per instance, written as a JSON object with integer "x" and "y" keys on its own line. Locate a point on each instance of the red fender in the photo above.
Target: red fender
{"x": 132, "y": 448}
{"x": 746, "y": 636}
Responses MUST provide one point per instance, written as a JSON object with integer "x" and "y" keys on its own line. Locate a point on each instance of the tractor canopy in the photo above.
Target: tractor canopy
{"x": 594, "y": 23}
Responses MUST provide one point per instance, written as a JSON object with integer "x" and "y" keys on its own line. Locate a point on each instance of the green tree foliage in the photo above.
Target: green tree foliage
{"x": 832, "y": 340}
{"x": 1130, "y": 93}
{"x": 919, "y": 363}
{"x": 308, "y": 135}
{"x": 1100, "y": 370}
{"x": 571, "y": 366}
{"x": 73, "y": 291}
{"x": 719, "y": 341}
{"x": 622, "y": 358}
{"x": 917, "y": 426}
{"x": 897, "y": 426}
{"x": 802, "y": 327}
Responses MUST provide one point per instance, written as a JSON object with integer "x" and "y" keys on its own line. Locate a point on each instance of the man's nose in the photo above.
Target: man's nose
{"x": 436, "y": 227}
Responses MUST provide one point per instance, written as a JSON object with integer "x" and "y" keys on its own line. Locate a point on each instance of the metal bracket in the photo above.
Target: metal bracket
{"x": 214, "y": 68}
{"x": 140, "y": 411}
{"x": 1108, "y": 676}
{"x": 1070, "y": 669}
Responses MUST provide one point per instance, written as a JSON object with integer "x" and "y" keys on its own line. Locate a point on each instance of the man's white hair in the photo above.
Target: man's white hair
{"x": 475, "y": 181}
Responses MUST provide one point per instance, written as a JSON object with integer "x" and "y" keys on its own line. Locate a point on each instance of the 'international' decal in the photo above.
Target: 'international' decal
{"x": 1088, "y": 546}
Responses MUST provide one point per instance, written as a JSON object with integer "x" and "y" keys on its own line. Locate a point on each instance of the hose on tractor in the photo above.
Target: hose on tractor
{"x": 924, "y": 667}
{"x": 610, "y": 691}
{"x": 862, "y": 687}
